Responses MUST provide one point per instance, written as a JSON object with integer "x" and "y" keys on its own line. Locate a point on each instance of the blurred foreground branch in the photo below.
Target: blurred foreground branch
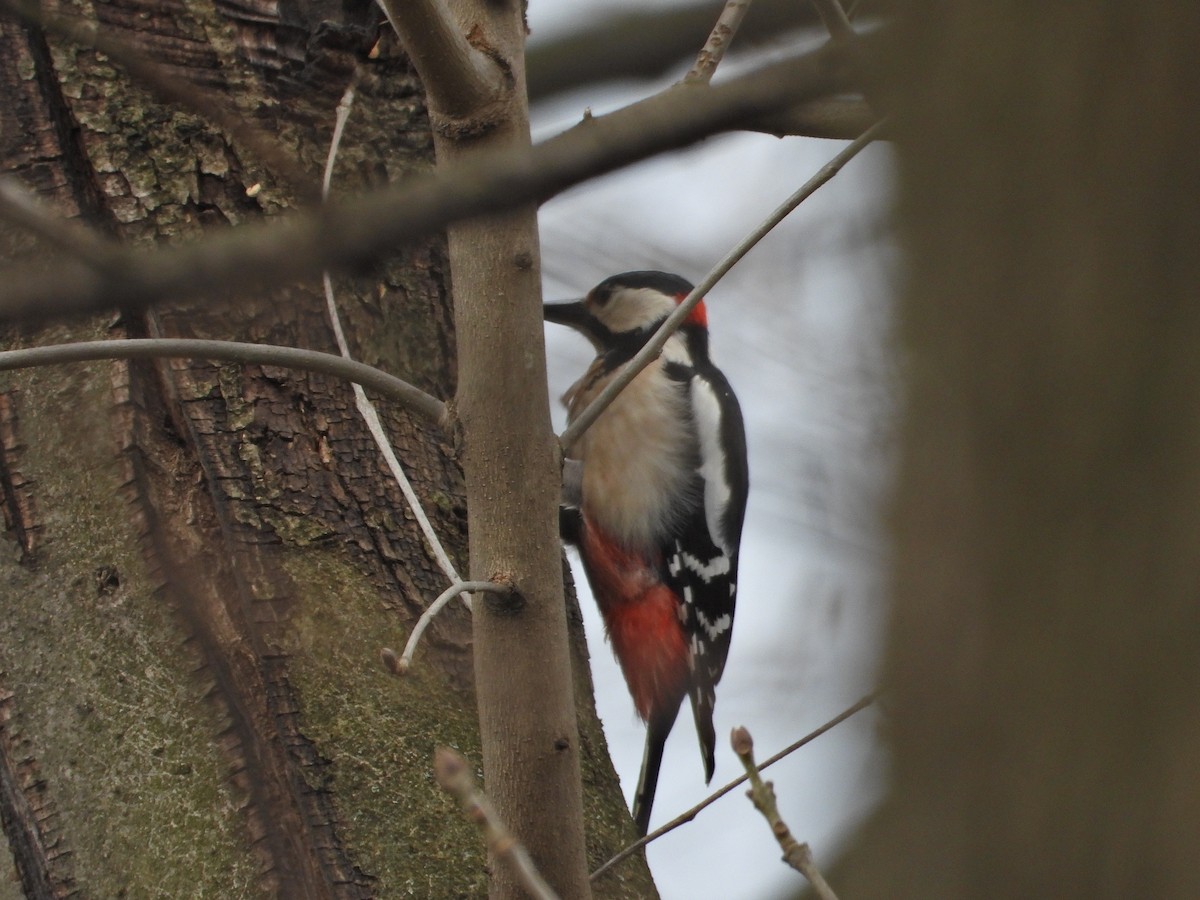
{"x": 365, "y": 230}
{"x": 646, "y": 42}
{"x": 452, "y": 774}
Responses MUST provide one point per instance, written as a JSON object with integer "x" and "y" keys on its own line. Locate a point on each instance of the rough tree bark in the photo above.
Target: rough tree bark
{"x": 1042, "y": 664}
{"x": 205, "y": 559}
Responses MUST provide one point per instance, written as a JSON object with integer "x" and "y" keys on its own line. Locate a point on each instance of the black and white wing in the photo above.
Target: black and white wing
{"x": 703, "y": 562}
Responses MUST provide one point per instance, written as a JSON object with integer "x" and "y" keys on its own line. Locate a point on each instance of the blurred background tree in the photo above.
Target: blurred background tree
{"x": 1042, "y": 654}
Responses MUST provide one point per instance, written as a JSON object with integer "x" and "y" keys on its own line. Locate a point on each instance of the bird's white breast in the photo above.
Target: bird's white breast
{"x": 639, "y": 457}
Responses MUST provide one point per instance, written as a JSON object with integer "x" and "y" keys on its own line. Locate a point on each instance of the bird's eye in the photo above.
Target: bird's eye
{"x": 599, "y": 297}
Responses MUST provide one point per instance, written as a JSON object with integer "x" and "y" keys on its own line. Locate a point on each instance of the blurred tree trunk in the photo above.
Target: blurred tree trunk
{"x": 206, "y": 559}
{"x": 1044, "y": 659}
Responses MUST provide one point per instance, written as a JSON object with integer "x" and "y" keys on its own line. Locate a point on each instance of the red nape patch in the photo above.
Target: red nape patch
{"x": 641, "y": 616}
{"x": 698, "y": 315}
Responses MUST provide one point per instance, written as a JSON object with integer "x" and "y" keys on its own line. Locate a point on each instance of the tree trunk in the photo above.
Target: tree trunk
{"x": 513, "y": 469}
{"x": 1043, "y": 665}
{"x": 206, "y": 559}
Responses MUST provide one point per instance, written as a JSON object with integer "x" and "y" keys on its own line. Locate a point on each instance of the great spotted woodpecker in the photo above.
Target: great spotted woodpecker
{"x": 658, "y": 513}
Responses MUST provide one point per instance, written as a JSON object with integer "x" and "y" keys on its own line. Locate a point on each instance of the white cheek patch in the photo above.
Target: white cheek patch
{"x": 632, "y": 308}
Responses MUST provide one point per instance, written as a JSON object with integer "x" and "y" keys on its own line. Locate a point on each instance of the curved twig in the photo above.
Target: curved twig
{"x": 400, "y": 665}
{"x": 363, "y": 403}
{"x": 411, "y": 398}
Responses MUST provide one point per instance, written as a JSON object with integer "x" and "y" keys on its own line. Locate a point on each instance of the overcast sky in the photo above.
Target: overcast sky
{"x": 799, "y": 327}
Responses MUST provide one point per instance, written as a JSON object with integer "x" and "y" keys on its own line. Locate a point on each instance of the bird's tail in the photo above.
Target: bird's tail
{"x": 702, "y": 710}
{"x": 656, "y": 739}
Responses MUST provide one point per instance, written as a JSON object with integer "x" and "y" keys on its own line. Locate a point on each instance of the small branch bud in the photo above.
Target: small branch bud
{"x": 449, "y": 768}
{"x": 688, "y": 815}
{"x": 762, "y": 793}
{"x": 742, "y": 743}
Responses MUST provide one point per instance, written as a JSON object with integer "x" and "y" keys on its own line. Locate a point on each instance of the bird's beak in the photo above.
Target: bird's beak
{"x": 575, "y": 314}
{"x": 572, "y": 313}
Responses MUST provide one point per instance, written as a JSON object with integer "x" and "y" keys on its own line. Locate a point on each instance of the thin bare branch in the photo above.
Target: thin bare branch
{"x": 654, "y": 346}
{"x": 362, "y": 402}
{"x": 404, "y": 662}
{"x": 459, "y": 79}
{"x": 371, "y": 416}
{"x": 411, "y": 398}
{"x": 253, "y": 256}
{"x": 719, "y": 38}
{"x": 687, "y": 816}
{"x": 835, "y": 19}
{"x": 341, "y": 115}
{"x": 646, "y": 41}
{"x": 762, "y": 793}
{"x": 23, "y": 210}
{"x": 173, "y": 90}
{"x": 454, "y": 775}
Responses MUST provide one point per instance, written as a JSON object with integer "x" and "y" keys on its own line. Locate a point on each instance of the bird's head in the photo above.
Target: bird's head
{"x": 627, "y": 308}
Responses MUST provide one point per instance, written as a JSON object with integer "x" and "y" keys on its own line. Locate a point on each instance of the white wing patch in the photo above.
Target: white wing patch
{"x": 710, "y": 570}
{"x": 707, "y": 411}
{"x": 716, "y": 627}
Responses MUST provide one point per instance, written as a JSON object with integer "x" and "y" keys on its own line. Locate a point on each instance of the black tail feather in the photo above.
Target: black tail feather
{"x": 643, "y": 799}
{"x": 702, "y": 711}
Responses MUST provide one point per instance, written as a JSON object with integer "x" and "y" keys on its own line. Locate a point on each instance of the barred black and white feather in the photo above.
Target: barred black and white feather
{"x": 703, "y": 561}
